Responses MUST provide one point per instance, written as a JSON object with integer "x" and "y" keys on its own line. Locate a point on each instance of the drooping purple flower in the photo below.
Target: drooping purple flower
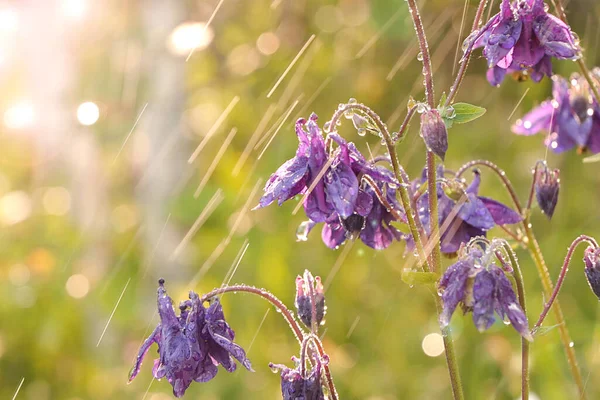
{"x": 547, "y": 186}
{"x": 192, "y": 345}
{"x": 482, "y": 288}
{"x": 434, "y": 132}
{"x": 304, "y": 286}
{"x": 591, "y": 259}
{"x": 521, "y": 39}
{"x": 572, "y": 117}
{"x": 295, "y": 386}
{"x": 348, "y": 207}
{"x": 464, "y": 216}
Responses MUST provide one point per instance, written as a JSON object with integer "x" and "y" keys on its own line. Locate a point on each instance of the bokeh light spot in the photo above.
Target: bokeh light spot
{"x": 19, "y": 116}
{"x": 88, "y": 113}
{"x": 433, "y": 344}
{"x": 190, "y": 36}
{"x": 77, "y": 286}
{"x": 56, "y": 200}
{"x": 267, "y": 43}
{"x": 15, "y": 207}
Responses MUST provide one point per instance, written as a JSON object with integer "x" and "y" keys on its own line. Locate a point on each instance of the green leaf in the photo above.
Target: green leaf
{"x": 466, "y": 112}
{"x": 442, "y": 100}
{"x": 412, "y": 277}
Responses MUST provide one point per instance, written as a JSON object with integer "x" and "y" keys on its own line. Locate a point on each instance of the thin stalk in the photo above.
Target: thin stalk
{"x": 580, "y": 61}
{"x": 536, "y": 254}
{"x": 402, "y": 130}
{"x": 435, "y": 261}
{"x": 561, "y": 278}
{"x": 466, "y": 57}
{"x": 287, "y": 315}
{"x": 524, "y": 342}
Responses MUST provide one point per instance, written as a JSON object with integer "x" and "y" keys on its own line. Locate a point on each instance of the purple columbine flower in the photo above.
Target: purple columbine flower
{"x": 481, "y": 287}
{"x": 521, "y": 39}
{"x": 192, "y": 345}
{"x": 304, "y": 286}
{"x": 295, "y": 386}
{"x": 572, "y": 117}
{"x": 591, "y": 259}
{"x": 348, "y": 207}
{"x": 465, "y": 215}
{"x": 547, "y": 186}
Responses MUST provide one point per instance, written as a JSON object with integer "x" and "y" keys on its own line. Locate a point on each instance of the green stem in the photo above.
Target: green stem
{"x": 435, "y": 261}
{"x": 524, "y": 342}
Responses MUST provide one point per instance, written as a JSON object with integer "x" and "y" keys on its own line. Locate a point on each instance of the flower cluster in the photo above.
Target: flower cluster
{"x": 572, "y": 116}
{"x": 335, "y": 192}
{"x": 463, "y": 214}
{"x": 192, "y": 345}
{"x": 521, "y": 40}
{"x": 481, "y": 287}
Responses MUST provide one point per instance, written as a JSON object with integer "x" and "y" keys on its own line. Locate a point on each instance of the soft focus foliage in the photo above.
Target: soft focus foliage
{"x": 94, "y": 207}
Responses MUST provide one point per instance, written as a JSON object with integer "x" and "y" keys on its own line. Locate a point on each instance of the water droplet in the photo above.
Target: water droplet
{"x": 421, "y": 108}
{"x": 571, "y": 344}
{"x": 327, "y": 126}
{"x": 527, "y": 124}
{"x": 450, "y": 112}
{"x": 352, "y": 100}
{"x": 302, "y": 231}
{"x": 361, "y": 131}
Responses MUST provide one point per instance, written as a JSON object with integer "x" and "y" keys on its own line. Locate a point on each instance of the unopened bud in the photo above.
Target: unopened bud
{"x": 591, "y": 258}
{"x": 547, "y": 186}
{"x": 304, "y": 306}
{"x": 433, "y": 131}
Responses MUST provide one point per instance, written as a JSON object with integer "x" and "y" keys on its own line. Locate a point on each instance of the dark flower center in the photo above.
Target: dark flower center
{"x": 580, "y": 107}
{"x": 354, "y": 224}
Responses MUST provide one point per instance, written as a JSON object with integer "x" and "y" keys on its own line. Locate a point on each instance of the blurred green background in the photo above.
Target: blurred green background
{"x": 101, "y": 112}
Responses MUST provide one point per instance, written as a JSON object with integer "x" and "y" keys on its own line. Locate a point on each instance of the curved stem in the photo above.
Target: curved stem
{"x": 466, "y": 57}
{"x": 287, "y": 315}
{"x": 427, "y": 70}
{"x": 538, "y": 258}
{"x": 561, "y": 278}
{"x": 580, "y": 61}
{"x": 399, "y": 172}
{"x": 524, "y": 342}
{"x": 402, "y": 130}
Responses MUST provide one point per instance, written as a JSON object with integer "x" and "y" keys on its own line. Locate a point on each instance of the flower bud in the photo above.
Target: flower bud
{"x": 591, "y": 258}
{"x": 547, "y": 185}
{"x": 433, "y": 131}
{"x": 304, "y": 306}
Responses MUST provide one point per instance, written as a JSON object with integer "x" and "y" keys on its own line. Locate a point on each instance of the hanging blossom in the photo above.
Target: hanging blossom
{"x": 521, "y": 40}
{"x": 463, "y": 214}
{"x": 338, "y": 197}
{"x": 299, "y": 385}
{"x": 572, "y": 116}
{"x": 482, "y": 288}
{"x": 190, "y": 346}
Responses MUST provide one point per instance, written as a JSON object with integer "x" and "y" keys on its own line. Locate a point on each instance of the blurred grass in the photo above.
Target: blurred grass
{"x": 49, "y": 337}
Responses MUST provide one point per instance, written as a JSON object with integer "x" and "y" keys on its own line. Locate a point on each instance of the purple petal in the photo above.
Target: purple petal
{"x": 501, "y": 214}
{"x": 375, "y": 234}
{"x": 153, "y": 338}
{"x": 537, "y": 119}
{"x": 454, "y": 284}
{"x": 543, "y": 67}
{"x": 316, "y": 206}
{"x": 364, "y": 203}
{"x": 555, "y": 36}
{"x": 483, "y": 300}
{"x": 502, "y": 39}
{"x": 506, "y": 303}
{"x": 288, "y": 181}
{"x": 495, "y": 75}
{"x": 341, "y": 186}
{"x": 457, "y": 233}
{"x": 333, "y": 234}
{"x": 594, "y": 138}
{"x": 475, "y": 213}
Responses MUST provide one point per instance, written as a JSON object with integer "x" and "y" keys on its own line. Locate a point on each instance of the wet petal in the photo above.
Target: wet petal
{"x": 153, "y": 338}
{"x": 454, "y": 284}
{"x": 341, "y": 186}
{"x": 536, "y": 120}
{"x": 288, "y": 181}
{"x": 507, "y": 305}
{"x": 475, "y": 213}
{"x": 501, "y": 214}
{"x": 333, "y": 234}
{"x": 483, "y": 300}
{"x": 555, "y": 37}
